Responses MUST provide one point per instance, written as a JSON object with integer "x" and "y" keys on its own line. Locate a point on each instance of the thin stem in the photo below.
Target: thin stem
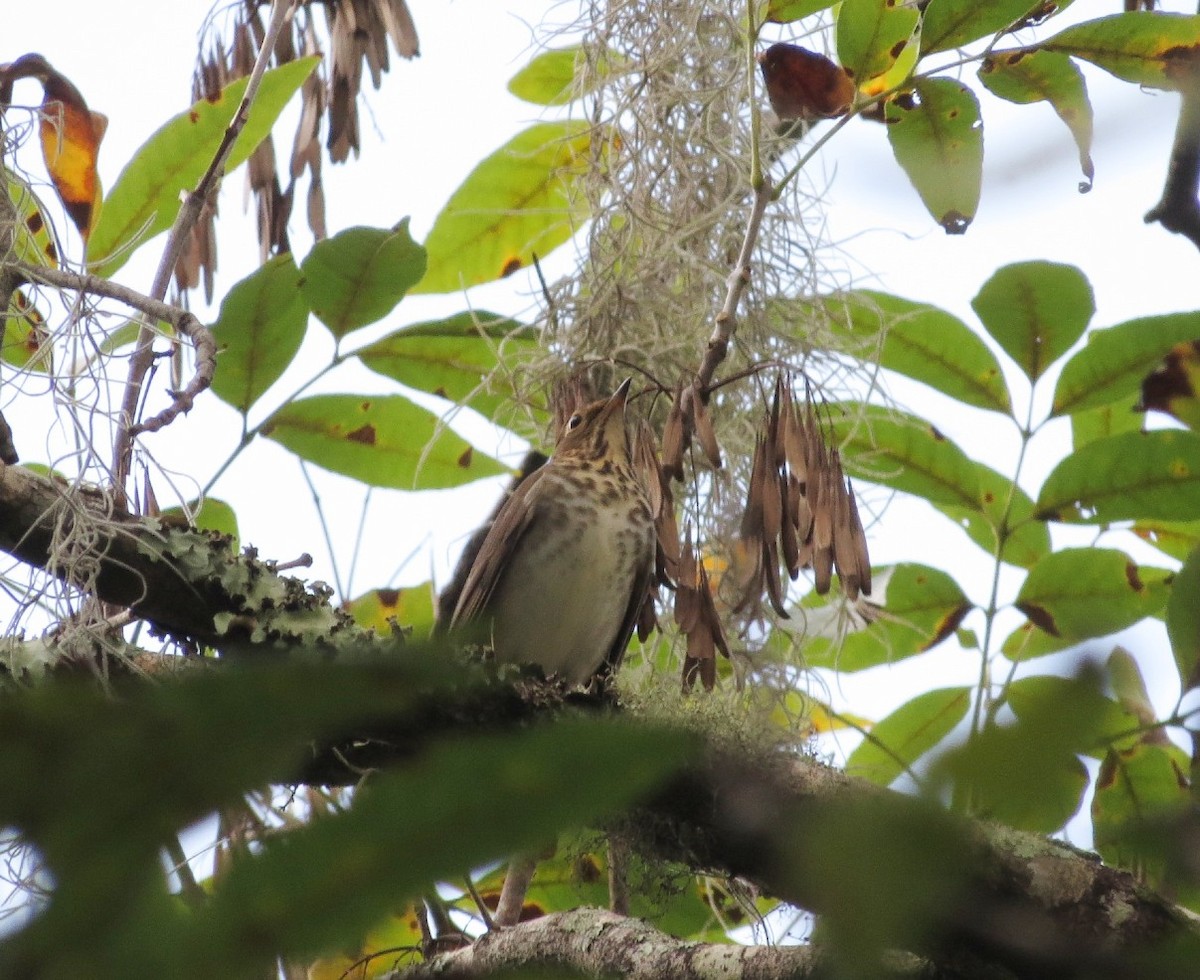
{"x": 189, "y": 214}
{"x": 333, "y": 562}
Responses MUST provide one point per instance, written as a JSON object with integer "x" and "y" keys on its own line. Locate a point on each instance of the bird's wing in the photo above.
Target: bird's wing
{"x": 506, "y": 531}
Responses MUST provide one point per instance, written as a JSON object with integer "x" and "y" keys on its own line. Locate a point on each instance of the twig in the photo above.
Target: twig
{"x": 181, "y": 320}
{"x": 189, "y": 213}
{"x": 735, "y": 285}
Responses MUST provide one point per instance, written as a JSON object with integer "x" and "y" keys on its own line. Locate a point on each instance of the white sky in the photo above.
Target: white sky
{"x": 438, "y": 116}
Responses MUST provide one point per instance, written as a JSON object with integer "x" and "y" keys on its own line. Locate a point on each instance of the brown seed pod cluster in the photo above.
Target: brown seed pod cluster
{"x": 800, "y": 508}
{"x": 697, "y": 618}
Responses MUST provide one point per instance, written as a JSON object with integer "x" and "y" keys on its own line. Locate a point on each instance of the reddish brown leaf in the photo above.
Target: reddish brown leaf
{"x": 70, "y": 136}
{"x": 702, "y": 423}
{"x": 802, "y": 84}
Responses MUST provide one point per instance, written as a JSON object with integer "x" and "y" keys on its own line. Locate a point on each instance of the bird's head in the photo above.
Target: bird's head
{"x": 597, "y": 430}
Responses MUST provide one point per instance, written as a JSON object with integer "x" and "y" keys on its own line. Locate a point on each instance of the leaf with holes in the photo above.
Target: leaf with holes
{"x": 1035, "y": 311}
{"x": 521, "y": 201}
{"x": 1046, "y": 76}
{"x": 937, "y": 137}
{"x": 384, "y": 441}
{"x": 359, "y": 275}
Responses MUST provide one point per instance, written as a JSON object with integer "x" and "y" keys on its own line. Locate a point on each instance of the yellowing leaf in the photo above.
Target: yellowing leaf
{"x": 521, "y": 201}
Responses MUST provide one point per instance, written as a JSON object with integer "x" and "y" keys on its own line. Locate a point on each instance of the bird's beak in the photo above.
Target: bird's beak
{"x": 619, "y": 397}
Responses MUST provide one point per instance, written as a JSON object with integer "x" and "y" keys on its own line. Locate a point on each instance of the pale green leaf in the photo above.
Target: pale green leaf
{"x": 521, "y": 201}
{"x": 384, "y": 441}
{"x": 146, "y": 197}
{"x": 937, "y": 137}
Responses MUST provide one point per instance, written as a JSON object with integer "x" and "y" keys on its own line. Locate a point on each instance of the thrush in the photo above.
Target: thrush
{"x": 567, "y": 564}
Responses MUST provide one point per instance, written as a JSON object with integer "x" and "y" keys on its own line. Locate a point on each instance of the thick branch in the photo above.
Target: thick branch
{"x": 779, "y": 820}
{"x": 186, "y": 583}
{"x": 596, "y": 943}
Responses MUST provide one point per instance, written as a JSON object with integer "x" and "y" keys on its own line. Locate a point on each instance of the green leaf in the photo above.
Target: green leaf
{"x": 26, "y": 340}
{"x": 921, "y": 342}
{"x": 359, "y": 275}
{"x": 521, "y": 201}
{"x": 1045, "y": 76}
{"x": 872, "y": 36}
{"x": 146, "y": 197}
{"x": 1035, "y": 311}
{"x": 900, "y": 739}
{"x": 1129, "y": 686}
{"x": 1159, "y": 50}
{"x": 34, "y": 239}
{"x": 1111, "y": 367}
{"x": 1093, "y": 424}
{"x": 1132, "y": 476}
{"x": 410, "y": 608}
{"x": 384, "y": 441}
{"x": 209, "y": 514}
{"x": 1028, "y": 775}
{"x": 1079, "y": 593}
{"x": 786, "y": 11}
{"x": 955, "y": 23}
{"x": 1175, "y": 538}
{"x": 258, "y": 332}
{"x": 552, "y": 77}
{"x": 922, "y": 607}
{"x": 1139, "y": 791}
{"x": 480, "y": 798}
{"x": 906, "y": 453}
{"x": 1096, "y": 721}
{"x": 937, "y": 137}
{"x": 1004, "y": 506}
{"x": 1183, "y": 622}
{"x": 455, "y": 358}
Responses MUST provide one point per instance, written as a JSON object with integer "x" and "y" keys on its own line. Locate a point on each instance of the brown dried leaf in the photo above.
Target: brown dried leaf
{"x": 862, "y": 554}
{"x": 702, "y": 422}
{"x": 646, "y": 465}
{"x": 675, "y": 438}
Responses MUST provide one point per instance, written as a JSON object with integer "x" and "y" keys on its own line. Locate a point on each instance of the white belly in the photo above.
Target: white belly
{"x": 563, "y": 612}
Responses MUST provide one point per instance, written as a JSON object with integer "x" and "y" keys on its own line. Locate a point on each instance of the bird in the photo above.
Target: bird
{"x": 569, "y": 560}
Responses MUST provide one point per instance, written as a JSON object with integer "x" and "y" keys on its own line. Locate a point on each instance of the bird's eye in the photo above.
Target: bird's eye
{"x": 574, "y": 421}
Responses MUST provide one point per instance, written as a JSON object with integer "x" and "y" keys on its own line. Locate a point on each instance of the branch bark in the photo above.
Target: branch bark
{"x": 596, "y": 943}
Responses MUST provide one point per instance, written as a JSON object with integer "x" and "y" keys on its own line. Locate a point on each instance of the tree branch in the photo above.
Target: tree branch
{"x": 597, "y": 943}
{"x": 980, "y": 893}
{"x": 189, "y": 213}
{"x": 181, "y": 320}
{"x": 1179, "y": 210}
